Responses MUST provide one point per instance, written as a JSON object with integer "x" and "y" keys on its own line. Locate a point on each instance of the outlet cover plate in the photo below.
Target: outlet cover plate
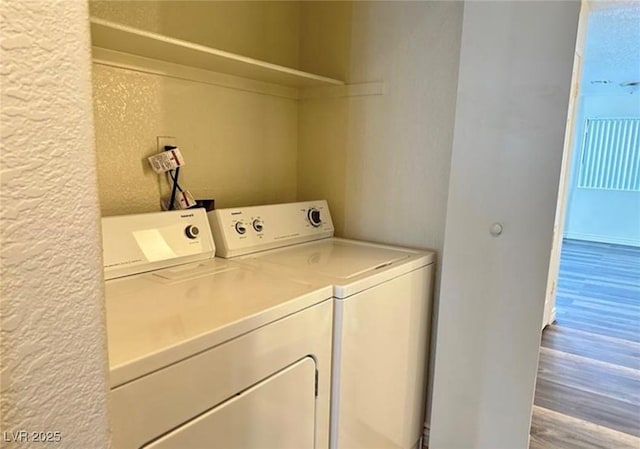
{"x": 164, "y": 141}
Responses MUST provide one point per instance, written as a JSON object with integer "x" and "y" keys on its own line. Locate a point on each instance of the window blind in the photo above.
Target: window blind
{"x": 611, "y": 154}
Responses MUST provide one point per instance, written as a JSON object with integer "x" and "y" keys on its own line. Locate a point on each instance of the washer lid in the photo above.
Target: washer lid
{"x": 335, "y": 258}
{"x": 351, "y": 266}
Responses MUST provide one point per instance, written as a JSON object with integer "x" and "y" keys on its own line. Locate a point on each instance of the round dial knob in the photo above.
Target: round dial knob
{"x": 257, "y": 225}
{"x": 192, "y": 231}
{"x": 314, "y": 217}
{"x": 240, "y": 228}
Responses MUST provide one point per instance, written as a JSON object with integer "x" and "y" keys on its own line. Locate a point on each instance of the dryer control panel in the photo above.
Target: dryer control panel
{"x": 246, "y": 230}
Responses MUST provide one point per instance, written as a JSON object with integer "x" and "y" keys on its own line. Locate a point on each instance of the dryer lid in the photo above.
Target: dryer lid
{"x": 158, "y": 318}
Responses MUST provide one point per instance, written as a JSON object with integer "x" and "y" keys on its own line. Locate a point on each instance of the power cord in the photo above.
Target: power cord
{"x": 174, "y": 175}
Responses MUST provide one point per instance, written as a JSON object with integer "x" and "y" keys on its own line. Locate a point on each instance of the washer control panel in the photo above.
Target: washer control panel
{"x": 137, "y": 243}
{"x": 246, "y": 230}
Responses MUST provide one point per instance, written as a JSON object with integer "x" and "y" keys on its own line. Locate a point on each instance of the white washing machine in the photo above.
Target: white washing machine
{"x": 208, "y": 353}
{"x": 382, "y": 314}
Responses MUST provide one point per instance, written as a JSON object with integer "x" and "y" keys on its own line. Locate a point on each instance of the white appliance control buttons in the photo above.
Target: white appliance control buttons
{"x": 258, "y": 228}
{"x": 314, "y": 217}
{"x": 240, "y": 228}
{"x": 192, "y": 231}
{"x": 258, "y": 225}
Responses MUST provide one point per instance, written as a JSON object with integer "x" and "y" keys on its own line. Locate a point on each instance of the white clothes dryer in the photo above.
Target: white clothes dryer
{"x": 382, "y": 314}
{"x": 208, "y": 353}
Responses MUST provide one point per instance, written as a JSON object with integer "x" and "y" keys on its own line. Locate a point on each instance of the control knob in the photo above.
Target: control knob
{"x": 240, "y": 228}
{"x": 192, "y": 231}
{"x": 258, "y": 225}
{"x": 313, "y": 215}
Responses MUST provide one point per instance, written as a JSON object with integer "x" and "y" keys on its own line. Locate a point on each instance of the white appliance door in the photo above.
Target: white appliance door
{"x": 277, "y": 413}
{"x": 381, "y": 346}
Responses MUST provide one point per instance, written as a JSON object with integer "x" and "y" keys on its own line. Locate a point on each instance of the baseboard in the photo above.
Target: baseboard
{"x": 425, "y": 435}
{"x": 602, "y": 239}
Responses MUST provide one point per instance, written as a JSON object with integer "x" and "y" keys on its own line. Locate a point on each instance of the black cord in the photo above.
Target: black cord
{"x": 175, "y": 187}
{"x": 174, "y": 179}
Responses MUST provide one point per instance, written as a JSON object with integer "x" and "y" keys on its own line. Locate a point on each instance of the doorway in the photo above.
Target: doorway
{"x": 588, "y": 386}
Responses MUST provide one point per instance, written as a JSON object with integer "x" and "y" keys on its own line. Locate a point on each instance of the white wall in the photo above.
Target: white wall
{"x": 382, "y": 162}
{"x": 595, "y": 214}
{"x": 611, "y": 53}
{"x": 54, "y": 362}
{"x": 513, "y": 92}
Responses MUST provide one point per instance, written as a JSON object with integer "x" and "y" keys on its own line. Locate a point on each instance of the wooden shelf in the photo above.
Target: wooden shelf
{"x": 121, "y": 38}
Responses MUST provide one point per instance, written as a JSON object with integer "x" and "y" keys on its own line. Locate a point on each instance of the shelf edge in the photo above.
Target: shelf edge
{"x": 348, "y": 90}
{"x": 105, "y": 26}
{"x": 127, "y": 61}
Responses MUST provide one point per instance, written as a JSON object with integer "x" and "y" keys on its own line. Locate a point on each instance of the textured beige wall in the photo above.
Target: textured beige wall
{"x": 240, "y": 147}
{"x": 325, "y": 38}
{"x": 54, "y": 359}
{"x": 265, "y": 30}
{"x": 383, "y": 161}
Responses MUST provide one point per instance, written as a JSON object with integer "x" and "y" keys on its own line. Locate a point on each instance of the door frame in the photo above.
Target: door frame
{"x": 549, "y": 315}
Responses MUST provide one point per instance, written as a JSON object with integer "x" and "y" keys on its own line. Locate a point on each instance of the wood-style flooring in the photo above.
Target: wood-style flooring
{"x": 588, "y": 388}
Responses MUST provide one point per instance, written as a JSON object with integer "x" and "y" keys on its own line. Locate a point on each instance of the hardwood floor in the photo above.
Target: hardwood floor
{"x": 588, "y": 388}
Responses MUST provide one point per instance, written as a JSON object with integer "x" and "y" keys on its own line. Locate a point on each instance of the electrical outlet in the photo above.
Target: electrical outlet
{"x": 164, "y": 141}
